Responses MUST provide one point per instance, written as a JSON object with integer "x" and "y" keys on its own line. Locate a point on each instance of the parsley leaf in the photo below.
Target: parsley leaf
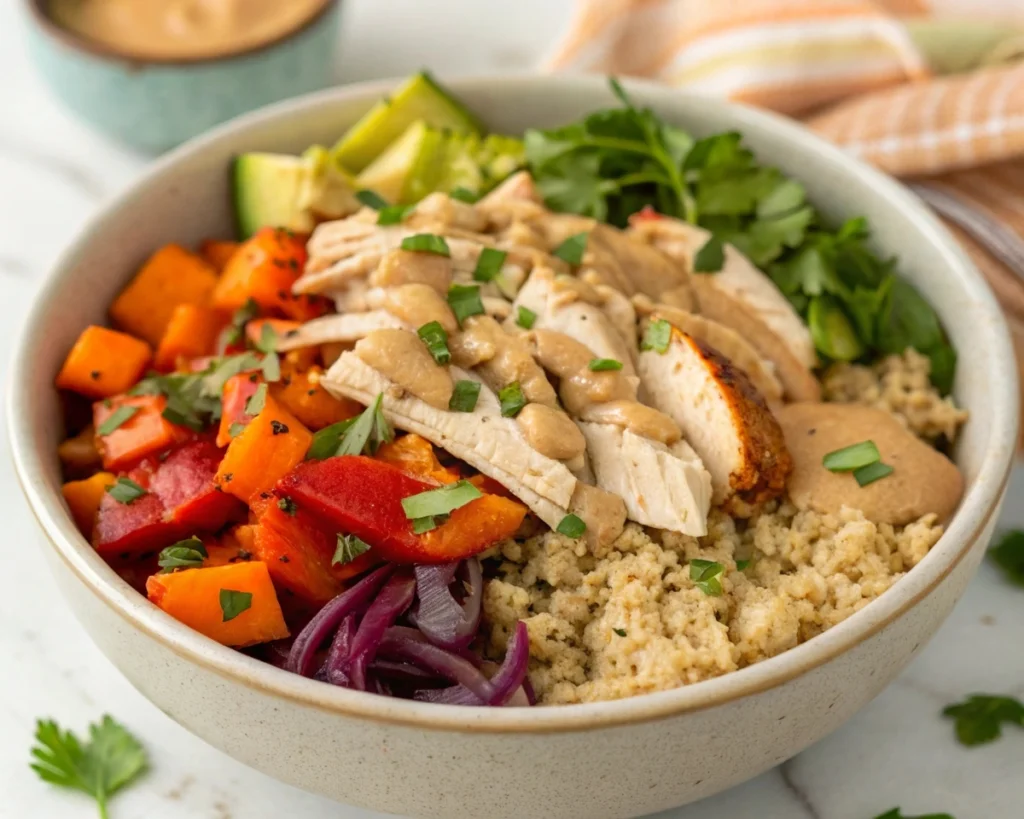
{"x": 257, "y": 401}
{"x": 118, "y": 417}
{"x": 110, "y": 760}
{"x": 979, "y": 718}
{"x": 706, "y": 576}
{"x": 233, "y": 603}
{"x": 185, "y": 554}
{"x": 348, "y": 549}
{"x": 711, "y": 256}
{"x": 571, "y": 526}
{"x": 355, "y": 436}
{"x": 1008, "y": 554}
{"x": 371, "y": 199}
{"x": 441, "y": 501}
{"x": 126, "y": 491}
{"x": 572, "y": 249}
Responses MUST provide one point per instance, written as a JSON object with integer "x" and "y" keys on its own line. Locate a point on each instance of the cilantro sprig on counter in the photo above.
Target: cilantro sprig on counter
{"x": 618, "y": 161}
{"x": 980, "y": 718}
{"x": 108, "y": 761}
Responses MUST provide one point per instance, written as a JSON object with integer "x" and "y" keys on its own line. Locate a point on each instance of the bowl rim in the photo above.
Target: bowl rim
{"x": 977, "y": 508}
{"x": 40, "y": 16}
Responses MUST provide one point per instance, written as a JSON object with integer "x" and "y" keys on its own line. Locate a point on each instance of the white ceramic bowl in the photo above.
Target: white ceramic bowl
{"x": 613, "y": 759}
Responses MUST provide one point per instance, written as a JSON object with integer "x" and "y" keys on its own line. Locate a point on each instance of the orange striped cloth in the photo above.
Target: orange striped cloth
{"x": 928, "y": 90}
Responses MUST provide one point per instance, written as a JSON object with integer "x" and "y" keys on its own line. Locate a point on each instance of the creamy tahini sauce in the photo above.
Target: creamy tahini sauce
{"x": 640, "y": 418}
{"x": 182, "y": 29}
{"x": 551, "y": 432}
{"x": 501, "y": 358}
{"x": 400, "y": 267}
{"x": 419, "y": 304}
{"x": 404, "y": 358}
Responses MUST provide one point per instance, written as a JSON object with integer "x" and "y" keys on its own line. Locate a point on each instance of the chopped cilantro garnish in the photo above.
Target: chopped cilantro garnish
{"x": 371, "y": 199}
{"x": 706, "y": 576}
{"x": 185, "y": 554}
{"x": 464, "y": 195}
{"x": 657, "y": 336}
{"x": 355, "y": 436}
{"x": 464, "y": 299}
{"x": 393, "y": 214}
{"x": 525, "y": 317}
{"x": 233, "y": 603}
{"x": 118, "y": 417}
{"x": 441, "y": 501}
{"x": 979, "y": 718}
{"x": 348, "y": 549}
{"x": 571, "y": 526}
{"x": 710, "y": 258}
{"x": 257, "y": 401}
{"x": 126, "y": 491}
{"x": 572, "y": 249}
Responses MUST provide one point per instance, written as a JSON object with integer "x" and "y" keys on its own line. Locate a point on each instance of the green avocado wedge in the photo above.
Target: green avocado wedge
{"x": 419, "y": 98}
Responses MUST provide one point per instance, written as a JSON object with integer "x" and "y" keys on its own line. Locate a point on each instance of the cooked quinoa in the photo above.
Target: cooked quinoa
{"x": 633, "y": 621}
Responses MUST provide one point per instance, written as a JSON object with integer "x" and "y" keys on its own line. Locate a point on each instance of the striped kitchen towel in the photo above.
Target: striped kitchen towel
{"x": 928, "y": 90}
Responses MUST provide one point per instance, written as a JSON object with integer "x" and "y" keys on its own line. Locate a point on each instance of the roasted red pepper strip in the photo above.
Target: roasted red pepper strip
{"x": 362, "y": 496}
{"x": 236, "y": 394}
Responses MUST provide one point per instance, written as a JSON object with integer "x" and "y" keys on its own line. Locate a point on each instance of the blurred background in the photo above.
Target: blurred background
{"x": 931, "y": 91}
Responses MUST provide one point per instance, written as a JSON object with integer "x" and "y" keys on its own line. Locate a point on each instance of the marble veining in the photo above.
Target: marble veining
{"x": 53, "y": 174}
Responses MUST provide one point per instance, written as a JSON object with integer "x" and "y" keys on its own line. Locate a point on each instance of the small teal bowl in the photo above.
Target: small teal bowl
{"x": 155, "y": 105}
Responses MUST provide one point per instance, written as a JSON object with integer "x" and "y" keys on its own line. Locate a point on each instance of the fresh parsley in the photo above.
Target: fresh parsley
{"x": 426, "y": 243}
{"x": 433, "y": 335}
{"x": 571, "y": 526}
{"x": 600, "y": 365}
{"x": 464, "y": 195}
{"x": 365, "y": 433}
{"x": 512, "y": 400}
{"x": 109, "y": 761}
{"x": 615, "y": 162}
{"x": 235, "y": 332}
{"x": 393, "y": 214}
{"x": 464, "y": 396}
{"x": 464, "y": 299}
{"x": 125, "y": 491}
{"x": 572, "y": 249}
{"x": 488, "y": 264}
{"x": 257, "y": 401}
{"x": 979, "y": 718}
{"x": 348, "y": 549}
{"x": 118, "y": 417}
{"x": 657, "y": 336}
{"x": 185, "y": 554}
{"x": 1008, "y": 554}
{"x": 371, "y": 199}
{"x": 620, "y": 631}
{"x": 525, "y": 317}
{"x": 271, "y": 362}
{"x": 233, "y": 603}
{"x": 706, "y": 575}
{"x": 441, "y": 501}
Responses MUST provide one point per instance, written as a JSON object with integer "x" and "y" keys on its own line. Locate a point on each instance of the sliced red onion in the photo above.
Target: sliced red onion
{"x": 351, "y": 601}
{"x": 340, "y": 652}
{"x": 406, "y": 671}
{"x": 531, "y": 695}
{"x": 439, "y": 615}
{"x": 508, "y": 682}
{"x": 407, "y": 644}
{"x": 391, "y": 603}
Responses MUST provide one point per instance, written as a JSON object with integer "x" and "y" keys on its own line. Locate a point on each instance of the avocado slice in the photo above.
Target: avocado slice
{"x": 500, "y": 157}
{"x": 294, "y": 192}
{"x": 419, "y": 98}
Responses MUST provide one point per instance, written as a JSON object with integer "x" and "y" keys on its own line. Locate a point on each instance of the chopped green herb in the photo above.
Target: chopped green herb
{"x": 832, "y": 330}
{"x": 600, "y": 365}
{"x": 711, "y": 256}
{"x": 464, "y": 299}
{"x": 571, "y": 526}
{"x": 441, "y": 501}
{"x": 257, "y": 401}
{"x": 851, "y": 457}
{"x": 871, "y": 473}
{"x": 233, "y": 333}
{"x": 980, "y": 717}
{"x": 371, "y": 199}
{"x": 572, "y": 249}
{"x": 742, "y": 564}
{"x": 512, "y": 400}
{"x": 620, "y": 631}
{"x": 393, "y": 214}
{"x": 657, "y": 336}
{"x": 421, "y": 525}
{"x": 233, "y": 603}
{"x": 488, "y": 264}
{"x": 126, "y": 491}
{"x": 895, "y": 813}
{"x": 109, "y": 761}
{"x": 706, "y": 575}
{"x": 464, "y": 396}
{"x": 327, "y": 440}
{"x": 1008, "y": 554}
{"x": 236, "y": 429}
{"x": 268, "y": 339}
{"x": 525, "y": 317}
{"x": 271, "y": 367}
{"x": 116, "y": 419}
{"x": 363, "y": 434}
{"x": 426, "y": 243}
{"x": 288, "y": 506}
{"x": 464, "y": 195}
{"x": 185, "y": 554}
{"x": 436, "y": 339}
{"x": 348, "y": 549}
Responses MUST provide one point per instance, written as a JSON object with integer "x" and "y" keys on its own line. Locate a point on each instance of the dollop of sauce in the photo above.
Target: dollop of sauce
{"x": 419, "y": 304}
{"x": 923, "y": 480}
{"x": 580, "y": 387}
{"x": 603, "y": 512}
{"x": 501, "y": 358}
{"x": 639, "y": 418}
{"x": 403, "y": 357}
{"x": 400, "y": 267}
{"x": 182, "y": 29}
{"x": 551, "y": 432}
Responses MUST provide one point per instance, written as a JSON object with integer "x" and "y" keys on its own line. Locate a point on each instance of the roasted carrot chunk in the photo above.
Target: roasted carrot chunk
{"x": 170, "y": 277}
{"x": 415, "y": 456}
{"x": 235, "y": 604}
{"x": 236, "y": 394}
{"x": 264, "y": 269}
{"x": 103, "y": 363}
{"x": 473, "y": 527}
{"x": 83, "y": 499}
{"x": 268, "y": 449}
{"x": 191, "y": 332}
{"x": 146, "y": 432}
{"x": 301, "y": 394}
{"x": 217, "y": 252}
{"x": 298, "y": 553}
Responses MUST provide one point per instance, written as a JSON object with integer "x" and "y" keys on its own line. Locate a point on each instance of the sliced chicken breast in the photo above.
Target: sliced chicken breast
{"x": 619, "y": 260}
{"x": 738, "y": 278}
{"x": 722, "y": 416}
{"x": 658, "y": 487}
{"x": 344, "y": 328}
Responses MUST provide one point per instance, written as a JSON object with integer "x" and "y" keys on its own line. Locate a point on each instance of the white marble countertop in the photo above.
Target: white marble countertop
{"x": 54, "y": 173}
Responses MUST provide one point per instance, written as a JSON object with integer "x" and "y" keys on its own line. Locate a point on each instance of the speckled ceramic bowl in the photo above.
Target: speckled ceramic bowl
{"x": 156, "y": 104}
{"x": 613, "y": 759}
